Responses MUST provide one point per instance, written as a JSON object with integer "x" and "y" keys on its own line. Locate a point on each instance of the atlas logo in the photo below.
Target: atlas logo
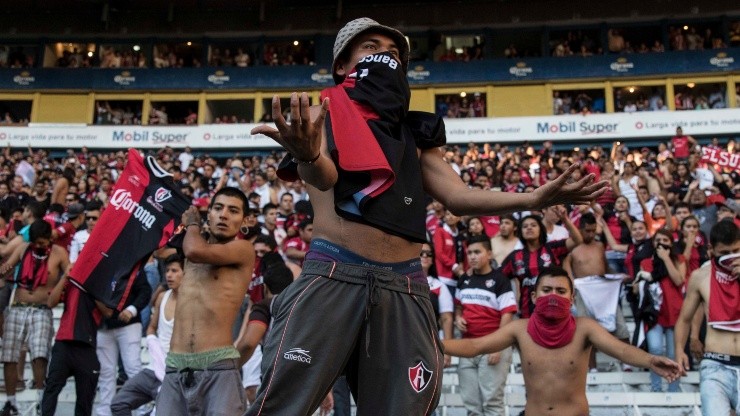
{"x": 162, "y": 194}
{"x": 297, "y": 354}
{"x": 121, "y": 199}
{"x": 420, "y": 377}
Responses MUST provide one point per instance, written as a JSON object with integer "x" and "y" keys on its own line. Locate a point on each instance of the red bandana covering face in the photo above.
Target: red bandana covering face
{"x": 552, "y": 325}
{"x": 34, "y": 270}
{"x": 724, "y": 299}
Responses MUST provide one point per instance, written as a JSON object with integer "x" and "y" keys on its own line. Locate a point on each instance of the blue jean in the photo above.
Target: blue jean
{"x": 660, "y": 342}
{"x": 719, "y": 388}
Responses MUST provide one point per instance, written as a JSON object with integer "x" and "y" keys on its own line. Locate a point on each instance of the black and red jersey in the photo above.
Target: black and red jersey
{"x": 80, "y": 319}
{"x": 637, "y": 253}
{"x": 484, "y": 299}
{"x": 256, "y": 289}
{"x": 143, "y": 211}
{"x": 525, "y": 266}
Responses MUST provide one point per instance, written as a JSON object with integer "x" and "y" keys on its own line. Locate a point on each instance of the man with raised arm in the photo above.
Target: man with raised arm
{"x": 717, "y": 287}
{"x": 202, "y": 374}
{"x": 555, "y": 347}
{"x": 361, "y": 306}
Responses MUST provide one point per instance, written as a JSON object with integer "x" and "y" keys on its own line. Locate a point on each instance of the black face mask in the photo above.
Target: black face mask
{"x": 379, "y": 82}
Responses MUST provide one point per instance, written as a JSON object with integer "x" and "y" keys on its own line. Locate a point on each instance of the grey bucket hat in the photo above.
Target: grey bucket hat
{"x": 347, "y": 34}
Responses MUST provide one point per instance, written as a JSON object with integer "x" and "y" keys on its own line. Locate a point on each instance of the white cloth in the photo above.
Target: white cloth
{"x": 600, "y": 296}
{"x": 127, "y": 341}
{"x": 185, "y": 158}
{"x": 159, "y": 345}
{"x": 251, "y": 372}
{"x": 264, "y": 193}
{"x": 78, "y": 242}
{"x": 558, "y": 233}
{"x": 625, "y": 188}
{"x": 446, "y": 304}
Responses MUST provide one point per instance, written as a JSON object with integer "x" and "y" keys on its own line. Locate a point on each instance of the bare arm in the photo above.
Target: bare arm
{"x": 676, "y": 272}
{"x": 693, "y": 187}
{"x": 688, "y": 310}
{"x": 247, "y": 344}
{"x": 627, "y": 353}
{"x": 56, "y": 293}
{"x": 197, "y": 249}
{"x": 154, "y": 318}
{"x": 14, "y": 259}
{"x": 294, "y": 254}
{"x": 568, "y": 264}
{"x": 444, "y": 185}
{"x": 575, "y": 235}
{"x": 10, "y": 247}
{"x": 493, "y": 342}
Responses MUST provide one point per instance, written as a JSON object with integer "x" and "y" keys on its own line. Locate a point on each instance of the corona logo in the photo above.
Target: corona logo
{"x": 418, "y": 73}
{"x": 219, "y": 78}
{"x": 621, "y": 65}
{"x": 722, "y": 60}
{"x": 520, "y": 69}
{"x": 322, "y": 76}
{"x": 124, "y": 78}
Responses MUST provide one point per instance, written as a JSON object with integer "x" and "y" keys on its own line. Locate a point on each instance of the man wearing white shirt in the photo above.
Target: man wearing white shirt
{"x": 92, "y": 214}
{"x": 185, "y": 158}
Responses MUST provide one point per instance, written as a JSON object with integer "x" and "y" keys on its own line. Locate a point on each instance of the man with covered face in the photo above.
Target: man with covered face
{"x": 716, "y": 286}
{"x": 361, "y": 306}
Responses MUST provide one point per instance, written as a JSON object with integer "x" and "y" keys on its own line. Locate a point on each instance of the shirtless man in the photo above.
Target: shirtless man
{"x": 365, "y": 247}
{"x": 555, "y": 347}
{"x": 202, "y": 374}
{"x": 588, "y": 260}
{"x": 505, "y": 241}
{"x": 720, "y": 369}
{"x": 28, "y": 318}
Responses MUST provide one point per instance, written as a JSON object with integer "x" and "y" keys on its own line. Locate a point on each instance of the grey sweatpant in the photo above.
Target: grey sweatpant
{"x": 375, "y": 326}
{"x": 215, "y": 391}
{"x": 138, "y": 390}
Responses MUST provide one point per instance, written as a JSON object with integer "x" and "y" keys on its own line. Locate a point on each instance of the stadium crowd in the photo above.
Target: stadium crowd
{"x": 650, "y": 230}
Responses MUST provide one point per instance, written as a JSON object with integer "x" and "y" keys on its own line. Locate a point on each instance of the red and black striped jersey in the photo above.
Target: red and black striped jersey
{"x": 484, "y": 298}
{"x": 525, "y": 266}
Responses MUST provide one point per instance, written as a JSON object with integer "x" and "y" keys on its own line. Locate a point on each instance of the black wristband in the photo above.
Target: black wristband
{"x": 193, "y": 223}
{"x": 307, "y": 162}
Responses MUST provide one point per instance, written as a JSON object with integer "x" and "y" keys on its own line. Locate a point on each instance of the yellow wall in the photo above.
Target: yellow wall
{"x": 63, "y": 108}
{"x": 501, "y": 100}
{"x": 520, "y": 100}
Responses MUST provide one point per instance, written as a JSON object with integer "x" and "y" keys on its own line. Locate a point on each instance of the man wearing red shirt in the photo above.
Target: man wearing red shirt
{"x": 63, "y": 234}
{"x": 680, "y": 145}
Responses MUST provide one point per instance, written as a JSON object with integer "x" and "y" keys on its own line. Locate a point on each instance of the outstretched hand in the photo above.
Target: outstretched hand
{"x": 559, "y": 191}
{"x": 302, "y": 136}
{"x": 666, "y": 368}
